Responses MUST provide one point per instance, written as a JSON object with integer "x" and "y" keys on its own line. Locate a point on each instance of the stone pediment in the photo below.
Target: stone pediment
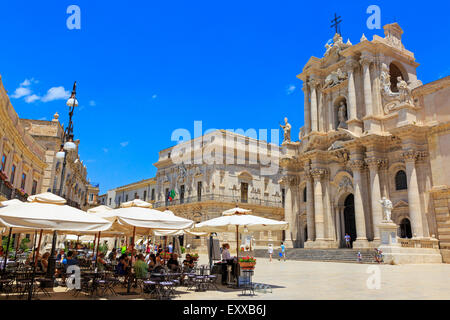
{"x": 400, "y": 204}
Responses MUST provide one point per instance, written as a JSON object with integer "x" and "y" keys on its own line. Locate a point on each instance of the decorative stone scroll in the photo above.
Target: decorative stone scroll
{"x": 335, "y": 78}
{"x": 394, "y": 100}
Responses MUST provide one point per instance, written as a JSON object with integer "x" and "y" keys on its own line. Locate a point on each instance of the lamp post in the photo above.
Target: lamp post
{"x": 67, "y": 145}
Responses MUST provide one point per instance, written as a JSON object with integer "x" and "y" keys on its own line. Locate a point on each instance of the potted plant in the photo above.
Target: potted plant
{"x": 194, "y": 256}
{"x": 247, "y": 263}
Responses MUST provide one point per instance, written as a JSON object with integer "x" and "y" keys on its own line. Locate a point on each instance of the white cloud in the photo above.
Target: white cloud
{"x": 21, "y": 92}
{"x": 154, "y": 96}
{"x": 28, "y": 82}
{"x": 43, "y": 118}
{"x": 290, "y": 89}
{"x": 124, "y": 144}
{"x": 105, "y": 150}
{"x": 56, "y": 93}
{"x": 31, "y": 98}
{"x": 92, "y": 103}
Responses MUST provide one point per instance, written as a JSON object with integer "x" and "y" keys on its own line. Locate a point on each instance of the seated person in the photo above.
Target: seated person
{"x": 101, "y": 263}
{"x": 188, "y": 263}
{"x": 70, "y": 260}
{"x": 140, "y": 267}
{"x": 44, "y": 262}
{"x": 112, "y": 255}
{"x": 122, "y": 266}
{"x": 172, "y": 263}
{"x": 151, "y": 261}
{"x": 61, "y": 255}
{"x": 225, "y": 252}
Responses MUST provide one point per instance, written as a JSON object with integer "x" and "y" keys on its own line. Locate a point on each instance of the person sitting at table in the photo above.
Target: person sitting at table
{"x": 61, "y": 255}
{"x": 188, "y": 263}
{"x": 140, "y": 267}
{"x": 101, "y": 263}
{"x": 151, "y": 261}
{"x": 172, "y": 263}
{"x": 122, "y": 266}
{"x": 225, "y": 252}
{"x": 70, "y": 260}
{"x": 112, "y": 255}
{"x": 44, "y": 261}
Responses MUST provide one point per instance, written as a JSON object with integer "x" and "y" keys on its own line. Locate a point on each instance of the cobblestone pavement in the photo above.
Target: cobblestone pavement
{"x": 328, "y": 280}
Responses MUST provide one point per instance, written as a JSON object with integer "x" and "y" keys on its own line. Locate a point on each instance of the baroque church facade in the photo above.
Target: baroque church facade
{"x": 372, "y": 130}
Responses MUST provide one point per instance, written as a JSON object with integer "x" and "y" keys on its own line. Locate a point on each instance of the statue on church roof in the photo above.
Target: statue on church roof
{"x": 287, "y": 130}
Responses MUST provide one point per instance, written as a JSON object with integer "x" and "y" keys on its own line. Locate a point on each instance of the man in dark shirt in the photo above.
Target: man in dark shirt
{"x": 172, "y": 264}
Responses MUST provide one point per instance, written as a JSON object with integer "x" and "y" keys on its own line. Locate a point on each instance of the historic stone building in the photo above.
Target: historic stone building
{"x": 205, "y": 186}
{"x": 372, "y": 130}
{"x": 49, "y": 134}
{"x": 144, "y": 190}
{"x": 22, "y": 163}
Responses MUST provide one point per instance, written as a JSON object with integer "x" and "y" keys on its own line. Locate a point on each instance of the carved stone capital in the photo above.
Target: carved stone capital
{"x": 313, "y": 83}
{"x": 410, "y": 155}
{"x": 375, "y": 163}
{"x": 366, "y": 60}
{"x": 318, "y": 173}
{"x": 350, "y": 65}
{"x": 356, "y": 165}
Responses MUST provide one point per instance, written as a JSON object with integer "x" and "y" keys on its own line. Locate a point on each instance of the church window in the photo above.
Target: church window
{"x": 400, "y": 180}
{"x": 304, "y": 194}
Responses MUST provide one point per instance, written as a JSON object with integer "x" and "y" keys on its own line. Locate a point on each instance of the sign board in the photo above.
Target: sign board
{"x": 215, "y": 249}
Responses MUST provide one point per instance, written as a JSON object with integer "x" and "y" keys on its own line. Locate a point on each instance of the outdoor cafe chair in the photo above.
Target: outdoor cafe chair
{"x": 7, "y": 285}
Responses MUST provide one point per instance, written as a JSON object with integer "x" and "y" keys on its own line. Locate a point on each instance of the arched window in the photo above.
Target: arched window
{"x": 394, "y": 73}
{"x": 400, "y": 180}
{"x": 304, "y": 194}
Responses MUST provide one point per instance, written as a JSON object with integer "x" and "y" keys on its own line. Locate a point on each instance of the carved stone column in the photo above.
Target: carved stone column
{"x": 365, "y": 62}
{"x": 377, "y": 214}
{"x": 337, "y": 217}
{"x": 331, "y": 231}
{"x": 318, "y": 203}
{"x": 320, "y": 111}
{"x": 410, "y": 157}
{"x": 331, "y": 115}
{"x": 289, "y": 214}
{"x": 307, "y": 108}
{"x": 310, "y": 223}
{"x": 360, "y": 219}
{"x": 314, "y": 112}
{"x": 351, "y": 64}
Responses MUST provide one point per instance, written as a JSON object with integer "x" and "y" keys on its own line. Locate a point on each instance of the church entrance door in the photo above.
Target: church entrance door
{"x": 349, "y": 217}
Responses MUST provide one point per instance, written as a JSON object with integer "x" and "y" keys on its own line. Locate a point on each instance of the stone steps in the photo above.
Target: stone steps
{"x": 335, "y": 255}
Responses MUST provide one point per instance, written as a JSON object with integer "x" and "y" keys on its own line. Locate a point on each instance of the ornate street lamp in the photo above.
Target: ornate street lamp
{"x": 67, "y": 145}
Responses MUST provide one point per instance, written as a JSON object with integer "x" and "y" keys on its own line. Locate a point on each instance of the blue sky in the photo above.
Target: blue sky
{"x": 146, "y": 68}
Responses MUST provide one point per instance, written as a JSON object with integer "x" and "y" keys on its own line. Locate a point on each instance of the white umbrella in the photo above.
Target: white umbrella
{"x": 136, "y": 203}
{"x": 48, "y": 212}
{"x": 11, "y": 202}
{"x": 101, "y": 208}
{"x": 238, "y": 220}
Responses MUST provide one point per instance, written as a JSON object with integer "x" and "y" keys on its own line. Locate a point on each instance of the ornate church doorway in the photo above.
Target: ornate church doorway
{"x": 349, "y": 217}
{"x": 405, "y": 229}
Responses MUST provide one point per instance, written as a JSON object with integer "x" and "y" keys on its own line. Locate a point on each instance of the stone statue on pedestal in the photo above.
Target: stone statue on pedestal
{"x": 387, "y": 207}
{"x": 287, "y": 130}
{"x": 342, "y": 115}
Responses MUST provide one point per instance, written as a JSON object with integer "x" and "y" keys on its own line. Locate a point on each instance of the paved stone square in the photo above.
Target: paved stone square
{"x": 325, "y": 280}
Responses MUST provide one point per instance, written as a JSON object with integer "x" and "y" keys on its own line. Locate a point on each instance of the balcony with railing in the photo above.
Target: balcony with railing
{"x": 218, "y": 198}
